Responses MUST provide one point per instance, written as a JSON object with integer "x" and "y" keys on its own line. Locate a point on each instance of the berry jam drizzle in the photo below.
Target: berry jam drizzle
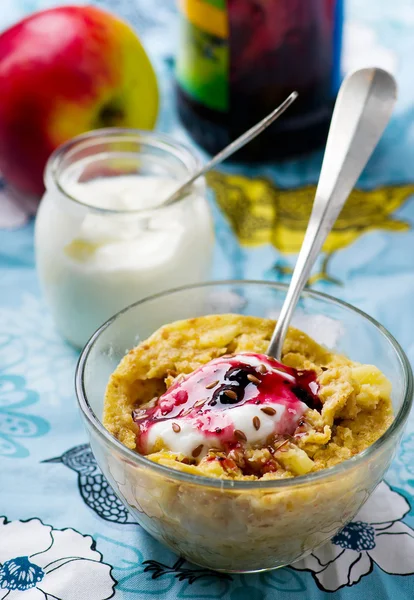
{"x": 207, "y": 397}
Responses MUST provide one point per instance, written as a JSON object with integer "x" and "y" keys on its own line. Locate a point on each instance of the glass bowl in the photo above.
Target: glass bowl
{"x": 241, "y": 526}
{"x": 94, "y": 256}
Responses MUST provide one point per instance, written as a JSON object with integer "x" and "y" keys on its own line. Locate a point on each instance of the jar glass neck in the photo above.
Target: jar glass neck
{"x": 109, "y": 155}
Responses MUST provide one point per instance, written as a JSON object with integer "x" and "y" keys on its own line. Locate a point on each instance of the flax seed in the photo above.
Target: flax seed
{"x": 282, "y": 446}
{"x": 240, "y": 435}
{"x": 211, "y": 385}
{"x": 197, "y": 451}
{"x": 256, "y": 423}
{"x": 268, "y": 410}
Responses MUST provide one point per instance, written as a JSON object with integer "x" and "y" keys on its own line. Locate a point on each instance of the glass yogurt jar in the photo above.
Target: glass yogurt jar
{"x": 103, "y": 237}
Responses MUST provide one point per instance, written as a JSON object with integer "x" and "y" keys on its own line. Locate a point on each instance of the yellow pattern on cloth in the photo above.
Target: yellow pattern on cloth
{"x": 262, "y": 213}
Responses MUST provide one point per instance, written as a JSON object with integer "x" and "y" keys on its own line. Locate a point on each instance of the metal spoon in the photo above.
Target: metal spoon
{"x": 362, "y": 110}
{"x": 241, "y": 141}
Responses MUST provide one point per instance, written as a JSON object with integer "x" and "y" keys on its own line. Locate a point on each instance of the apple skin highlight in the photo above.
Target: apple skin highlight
{"x": 65, "y": 71}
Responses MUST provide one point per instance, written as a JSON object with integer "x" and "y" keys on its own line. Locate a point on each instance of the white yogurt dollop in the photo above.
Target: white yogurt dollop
{"x": 237, "y": 418}
{"x": 237, "y": 399}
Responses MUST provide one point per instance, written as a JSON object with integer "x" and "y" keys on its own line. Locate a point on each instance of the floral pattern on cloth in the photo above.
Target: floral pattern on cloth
{"x": 26, "y": 342}
{"x": 31, "y": 347}
{"x": 407, "y": 453}
{"x": 93, "y": 486}
{"x": 15, "y": 423}
{"x": 377, "y": 536}
{"x": 403, "y": 466}
{"x": 137, "y": 577}
{"x": 38, "y": 562}
{"x": 176, "y": 578}
{"x": 350, "y": 555}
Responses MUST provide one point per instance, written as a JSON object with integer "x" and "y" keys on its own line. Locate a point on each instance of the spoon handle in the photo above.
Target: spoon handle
{"x": 241, "y": 141}
{"x": 362, "y": 110}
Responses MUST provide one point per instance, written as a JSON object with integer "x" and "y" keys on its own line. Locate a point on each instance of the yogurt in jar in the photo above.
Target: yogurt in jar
{"x": 105, "y": 243}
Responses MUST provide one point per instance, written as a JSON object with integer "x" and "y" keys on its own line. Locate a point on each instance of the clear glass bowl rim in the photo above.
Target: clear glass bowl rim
{"x": 341, "y": 468}
{"x": 159, "y": 140}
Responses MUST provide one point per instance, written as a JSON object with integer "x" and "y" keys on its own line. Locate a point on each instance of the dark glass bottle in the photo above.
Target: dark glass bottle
{"x": 238, "y": 59}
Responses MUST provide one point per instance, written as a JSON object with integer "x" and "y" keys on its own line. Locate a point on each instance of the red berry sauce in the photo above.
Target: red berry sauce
{"x": 206, "y": 395}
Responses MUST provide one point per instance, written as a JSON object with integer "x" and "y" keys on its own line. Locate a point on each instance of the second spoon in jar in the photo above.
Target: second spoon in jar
{"x": 232, "y": 148}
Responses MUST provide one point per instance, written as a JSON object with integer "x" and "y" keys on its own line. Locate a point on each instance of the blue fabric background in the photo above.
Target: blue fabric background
{"x": 36, "y": 366}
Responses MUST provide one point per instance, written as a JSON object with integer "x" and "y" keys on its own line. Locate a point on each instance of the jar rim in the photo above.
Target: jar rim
{"x": 160, "y": 141}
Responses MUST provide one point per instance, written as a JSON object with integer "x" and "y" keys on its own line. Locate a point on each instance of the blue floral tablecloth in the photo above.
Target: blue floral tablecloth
{"x": 63, "y": 534}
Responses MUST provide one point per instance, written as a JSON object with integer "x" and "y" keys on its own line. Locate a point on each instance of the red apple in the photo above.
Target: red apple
{"x": 64, "y": 71}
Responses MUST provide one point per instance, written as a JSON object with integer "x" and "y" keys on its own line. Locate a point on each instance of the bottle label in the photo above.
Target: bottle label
{"x": 203, "y": 55}
{"x": 259, "y": 51}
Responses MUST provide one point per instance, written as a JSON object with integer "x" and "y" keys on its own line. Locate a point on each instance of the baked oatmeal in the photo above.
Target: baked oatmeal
{"x": 200, "y": 396}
